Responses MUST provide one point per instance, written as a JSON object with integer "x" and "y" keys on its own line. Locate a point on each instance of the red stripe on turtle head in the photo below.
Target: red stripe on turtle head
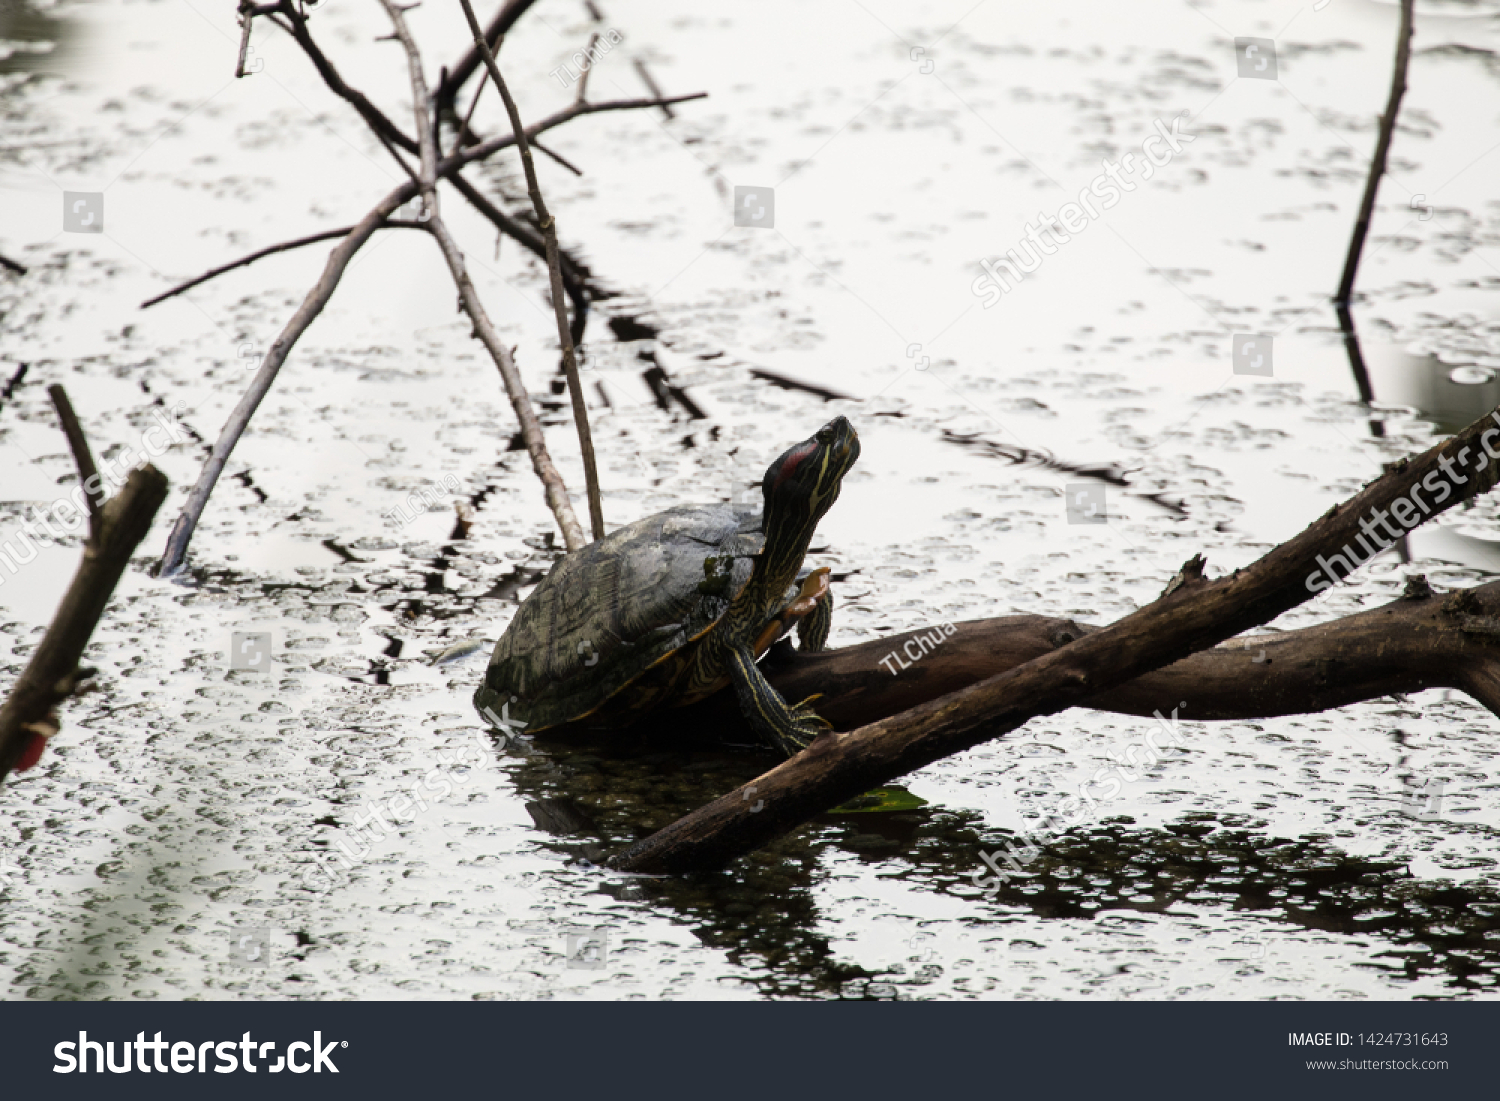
{"x": 794, "y": 459}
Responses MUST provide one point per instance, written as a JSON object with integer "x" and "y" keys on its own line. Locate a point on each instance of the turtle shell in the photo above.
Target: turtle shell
{"x": 607, "y": 613}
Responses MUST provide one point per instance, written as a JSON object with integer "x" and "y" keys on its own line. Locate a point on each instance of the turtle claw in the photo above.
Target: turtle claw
{"x": 807, "y": 725}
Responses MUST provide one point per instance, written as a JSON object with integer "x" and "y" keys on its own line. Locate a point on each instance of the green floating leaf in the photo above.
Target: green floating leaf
{"x": 881, "y": 801}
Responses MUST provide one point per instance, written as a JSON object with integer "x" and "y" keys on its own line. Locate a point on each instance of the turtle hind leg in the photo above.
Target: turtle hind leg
{"x": 813, "y": 628}
{"x": 789, "y": 728}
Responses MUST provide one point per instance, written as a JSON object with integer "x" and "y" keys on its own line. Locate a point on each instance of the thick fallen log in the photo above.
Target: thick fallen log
{"x": 1192, "y": 614}
{"x": 1421, "y": 640}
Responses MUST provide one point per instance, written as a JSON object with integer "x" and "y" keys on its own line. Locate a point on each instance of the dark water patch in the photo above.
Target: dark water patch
{"x": 342, "y": 551}
{"x": 507, "y": 586}
{"x": 786, "y": 382}
{"x": 41, "y": 42}
{"x": 1109, "y": 473}
{"x": 628, "y": 328}
{"x": 244, "y": 478}
{"x": 666, "y": 392}
{"x": 15, "y": 380}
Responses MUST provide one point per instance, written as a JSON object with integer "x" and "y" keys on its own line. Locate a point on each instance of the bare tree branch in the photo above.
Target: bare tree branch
{"x": 260, "y": 254}
{"x": 504, "y": 20}
{"x": 312, "y": 305}
{"x": 88, "y": 473}
{"x": 485, "y": 149}
{"x": 553, "y": 487}
{"x": 463, "y": 128}
{"x": 549, "y": 229}
{"x": 285, "y": 14}
{"x": 1420, "y": 640}
{"x": 559, "y": 158}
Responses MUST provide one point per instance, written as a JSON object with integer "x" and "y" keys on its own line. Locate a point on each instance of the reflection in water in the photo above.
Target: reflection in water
{"x": 1450, "y": 390}
{"x": 597, "y": 795}
{"x": 35, "y": 41}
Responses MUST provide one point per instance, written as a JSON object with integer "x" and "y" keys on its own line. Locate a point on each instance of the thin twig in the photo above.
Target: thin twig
{"x": 426, "y": 143}
{"x": 583, "y": 77}
{"x": 485, "y": 149}
{"x": 373, "y": 116}
{"x": 10, "y": 265}
{"x": 532, "y": 240}
{"x": 504, "y": 19}
{"x": 640, "y": 67}
{"x": 548, "y": 227}
{"x": 396, "y": 156}
{"x": 559, "y": 158}
{"x": 473, "y": 103}
{"x": 1382, "y": 148}
{"x": 467, "y": 137}
{"x": 555, "y": 490}
{"x": 260, "y": 254}
{"x": 246, "y": 19}
{"x": 88, "y": 473}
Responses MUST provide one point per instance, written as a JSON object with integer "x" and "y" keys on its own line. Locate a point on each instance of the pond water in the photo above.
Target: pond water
{"x": 178, "y": 839}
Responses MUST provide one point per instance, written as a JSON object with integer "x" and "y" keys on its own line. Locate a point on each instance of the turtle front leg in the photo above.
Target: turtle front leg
{"x": 813, "y": 628}
{"x": 788, "y": 728}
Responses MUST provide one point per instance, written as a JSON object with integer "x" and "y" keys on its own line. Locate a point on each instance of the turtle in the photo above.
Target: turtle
{"x": 667, "y": 610}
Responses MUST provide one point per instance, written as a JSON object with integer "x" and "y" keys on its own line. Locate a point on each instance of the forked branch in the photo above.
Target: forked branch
{"x": 1192, "y": 614}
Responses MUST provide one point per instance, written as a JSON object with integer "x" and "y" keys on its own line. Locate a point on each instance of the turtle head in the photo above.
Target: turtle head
{"x": 801, "y": 486}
